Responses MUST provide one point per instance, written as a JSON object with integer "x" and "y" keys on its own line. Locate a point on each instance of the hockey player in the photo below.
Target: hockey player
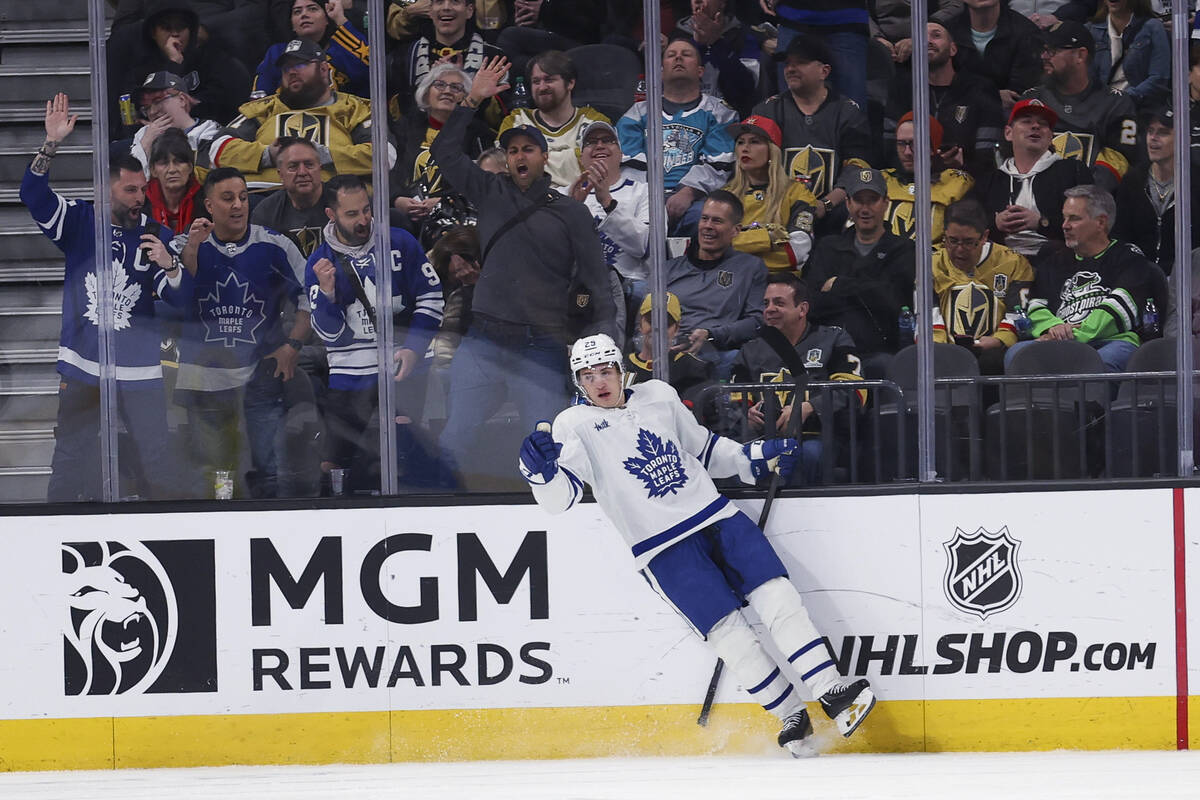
{"x": 139, "y": 262}
{"x": 340, "y": 278}
{"x": 649, "y": 464}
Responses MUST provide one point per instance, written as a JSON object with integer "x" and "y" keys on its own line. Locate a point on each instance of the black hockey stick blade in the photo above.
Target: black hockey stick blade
{"x": 706, "y": 709}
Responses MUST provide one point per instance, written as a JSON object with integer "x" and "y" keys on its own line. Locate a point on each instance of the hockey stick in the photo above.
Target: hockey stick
{"x": 791, "y": 359}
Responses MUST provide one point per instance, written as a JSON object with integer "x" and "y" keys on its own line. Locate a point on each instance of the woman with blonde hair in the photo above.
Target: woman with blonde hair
{"x": 779, "y": 212}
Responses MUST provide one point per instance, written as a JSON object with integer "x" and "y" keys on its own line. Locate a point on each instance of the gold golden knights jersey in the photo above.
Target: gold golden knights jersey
{"x": 341, "y": 131}
{"x": 951, "y": 186}
{"x": 780, "y": 247}
{"x": 1097, "y": 126}
{"x": 984, "y": 302}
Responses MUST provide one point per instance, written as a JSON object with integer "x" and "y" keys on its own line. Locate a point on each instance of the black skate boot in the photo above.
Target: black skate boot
{"x": 796, "y": 734}
{"x": 848, "y": 705}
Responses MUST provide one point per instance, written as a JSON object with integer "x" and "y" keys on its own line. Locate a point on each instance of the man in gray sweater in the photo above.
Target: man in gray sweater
{"x": 542, "y": 263}
{"x": 721, "y": 289}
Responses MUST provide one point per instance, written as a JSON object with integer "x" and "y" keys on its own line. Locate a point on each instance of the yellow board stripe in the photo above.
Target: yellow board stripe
{"x": 1145, "y": 723}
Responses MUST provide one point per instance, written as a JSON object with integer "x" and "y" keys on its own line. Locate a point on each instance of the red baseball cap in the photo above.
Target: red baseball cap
{"x": 1034, "y": 106}
{"x": 763, "y": 126}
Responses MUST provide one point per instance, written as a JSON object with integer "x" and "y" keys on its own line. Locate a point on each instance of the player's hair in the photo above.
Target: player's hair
{"x": 778, "y": 184}
{"x": 421, "y": 93}
{"x": 172, "y": 143}
{"x": 221, "y": 174}
{"x": 1097, "y": 201}
{"x": 342, "y": 183}
{"x": 799, "y": 287}
{"x": 729, "y": 199}
{"x": 967, "y": 212}
{"x": 552, "y": 62}
{"x": 287, "y": 142}
{"x": 122, "y": 161}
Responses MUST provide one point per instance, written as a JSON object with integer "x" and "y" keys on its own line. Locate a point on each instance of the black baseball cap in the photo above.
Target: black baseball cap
{"x": 1069, "y": 35}
{"x": 300, "y": 50}
{"x": 524, "y": 130}
{"x": 1161, "y": 113}
{"x": 806, "y": 47}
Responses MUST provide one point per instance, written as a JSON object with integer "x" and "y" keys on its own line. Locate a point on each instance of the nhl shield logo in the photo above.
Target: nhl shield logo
{"x": 982, "y": 576}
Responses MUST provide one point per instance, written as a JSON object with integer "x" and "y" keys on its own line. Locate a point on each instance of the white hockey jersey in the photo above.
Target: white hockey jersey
{"x": 649, "y": 465}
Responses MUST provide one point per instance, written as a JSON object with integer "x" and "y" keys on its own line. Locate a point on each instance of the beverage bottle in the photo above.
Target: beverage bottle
{"x": 520, "y": 96}
{"x": 1150, "y": 327}
{"x": 489, "y": 14}
{"x": 1022, "y": 323}
{"x": 908, "y": 326}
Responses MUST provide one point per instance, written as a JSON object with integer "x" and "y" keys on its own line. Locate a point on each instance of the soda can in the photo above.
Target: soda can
{"x": 128, "y": 114}
{"x": 223, "y": 484}
{"x": 337, "y": 481}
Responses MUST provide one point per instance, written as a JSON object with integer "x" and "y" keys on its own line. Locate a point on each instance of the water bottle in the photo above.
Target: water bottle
{"x": 489, "y": 14}
{"x": 908, "y": 326}
{"x": 1022, "y": 323}
{"x": 520, "y": 96}
{"x": 1150, "y": 326}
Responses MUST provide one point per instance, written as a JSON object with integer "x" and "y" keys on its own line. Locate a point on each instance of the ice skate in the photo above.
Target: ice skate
{"x": 848, "y": 705}
{"x": 796, "y": 735}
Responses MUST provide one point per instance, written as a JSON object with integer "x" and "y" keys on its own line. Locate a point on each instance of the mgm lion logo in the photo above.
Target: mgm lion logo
{"x": 122, "y": 618}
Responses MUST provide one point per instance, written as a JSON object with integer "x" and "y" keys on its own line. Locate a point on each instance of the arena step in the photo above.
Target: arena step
{"x": 24, "y": 484}
{"x": 35, "y": 324}
{"x": 22, "y": 446}
{"x": 34, "y": 271}
{"x": 27, "y": 353}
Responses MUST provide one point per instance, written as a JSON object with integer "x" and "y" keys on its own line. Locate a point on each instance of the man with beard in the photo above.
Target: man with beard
{"x": 862, "y": 277}
{"x": 1097, "y": 289}
{"x": 964, "y": 103}
{"x": 298, "y": 209}
{"x": 949, "y": 185}
{"x": 551, "y": 77}
{"x": 325, "y": 25}
{"x": 140, "y": 262}
{"x": 307, "y": 106}
{"x": 238, "y": 280}
{"x": 1096, "y": 125}
{"x": 1024, "y": 196}
{"x": 540, "y": 257}
{"x": 340, "y": 278}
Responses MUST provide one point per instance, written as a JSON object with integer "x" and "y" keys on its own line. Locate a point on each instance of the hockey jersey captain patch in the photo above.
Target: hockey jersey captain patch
{"x": 658, "y": 466}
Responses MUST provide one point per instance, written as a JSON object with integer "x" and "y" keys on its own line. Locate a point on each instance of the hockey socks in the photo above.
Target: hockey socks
{"x": 734, "y": 641}
{"x": 779, "y": 606}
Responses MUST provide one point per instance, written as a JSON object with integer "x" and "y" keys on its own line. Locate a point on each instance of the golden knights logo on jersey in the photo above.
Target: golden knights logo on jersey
{"x": 813, "y": 165}
{"x": 973, "y": 311}
{"x": 302, "y": 124}
{"x": 982, "y": 576}
{"x": 1076, "y": 145}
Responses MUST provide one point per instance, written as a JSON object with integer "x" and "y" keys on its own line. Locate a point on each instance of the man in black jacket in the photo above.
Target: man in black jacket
{"x": 863, "y": 277}
{"x": 535, "y": 241}
{"x": 1011, "y": 57}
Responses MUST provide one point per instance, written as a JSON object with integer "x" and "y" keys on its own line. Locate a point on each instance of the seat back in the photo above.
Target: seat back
{"x": 1156, "y": 355}
{"x": 608, "y": 75}
{"x": 949, "y": 361}
{"x": 1059, "y": 358}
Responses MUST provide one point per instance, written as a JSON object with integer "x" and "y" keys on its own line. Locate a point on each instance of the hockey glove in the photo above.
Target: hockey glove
{"x": 771, "y": 455}
{"x": 539, "y": 455}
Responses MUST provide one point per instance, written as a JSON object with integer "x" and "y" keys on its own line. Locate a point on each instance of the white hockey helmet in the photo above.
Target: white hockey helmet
{"x": 593, "y": 351}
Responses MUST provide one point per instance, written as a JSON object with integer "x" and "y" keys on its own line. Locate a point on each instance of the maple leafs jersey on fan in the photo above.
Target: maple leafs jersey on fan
{"x": 70, "y": 225}
{"x": 234, "y": 305}
{"x": 650, "y": 465}
{"x": 1097, "y": 126}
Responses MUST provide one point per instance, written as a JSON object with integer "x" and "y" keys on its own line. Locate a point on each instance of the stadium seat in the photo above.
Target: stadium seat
{"x": 1052, "y": 429}
{"x": 1142, "y": 421}
{"x": 607, "y": 77}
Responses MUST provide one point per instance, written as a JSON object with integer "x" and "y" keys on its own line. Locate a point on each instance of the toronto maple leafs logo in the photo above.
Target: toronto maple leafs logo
{"x": 658, "y": 467}
{"x": 126, "y": 294}
{"x": 231, "y": 313}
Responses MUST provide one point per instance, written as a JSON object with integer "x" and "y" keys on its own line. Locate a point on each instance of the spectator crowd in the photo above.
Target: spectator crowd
{"x": 242, "y": 153}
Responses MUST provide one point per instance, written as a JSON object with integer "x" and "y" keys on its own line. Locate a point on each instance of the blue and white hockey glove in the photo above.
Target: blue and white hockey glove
{"x": 772, "y": 455}
{"x": 539, "y": 455}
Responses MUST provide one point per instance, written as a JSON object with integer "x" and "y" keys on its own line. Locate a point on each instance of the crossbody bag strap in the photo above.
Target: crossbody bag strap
{"x": 514, "y": 220}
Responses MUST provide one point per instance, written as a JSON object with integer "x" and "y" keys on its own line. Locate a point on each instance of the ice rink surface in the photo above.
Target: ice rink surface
{"x": 1060, "y": 775}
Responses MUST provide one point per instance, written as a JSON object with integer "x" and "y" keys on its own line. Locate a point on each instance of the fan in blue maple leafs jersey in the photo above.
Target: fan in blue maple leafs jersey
{"x": 651, "y": 469}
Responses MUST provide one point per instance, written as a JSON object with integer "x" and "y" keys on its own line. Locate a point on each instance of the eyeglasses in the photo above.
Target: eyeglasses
{"x": 952, "y": 241}
{"x": 904, "y": 144}
{"x": 292, "y": 66}
{"x": 150, "y": 105}
{"x": 592, "y": 141}
{"x": 442, "y": 86}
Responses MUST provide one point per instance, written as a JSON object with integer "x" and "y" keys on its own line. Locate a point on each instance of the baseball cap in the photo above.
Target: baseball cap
{"x": 1068, "y": 35}
{"x": 763, "y": 126}
{"x": 525, "y": 130}
{"x": 1161, "y": 113}
{"x": 598, "y": 125}
{"x": 854, "y": 180}
{"x": 674, "y": 311}
{"x": 157, "y": 81}
{"x": 300, "y": 50}
{"x": 806, "y": 47}
{"x": 1033, "y": 106}
{"x": 936, "y": 132}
